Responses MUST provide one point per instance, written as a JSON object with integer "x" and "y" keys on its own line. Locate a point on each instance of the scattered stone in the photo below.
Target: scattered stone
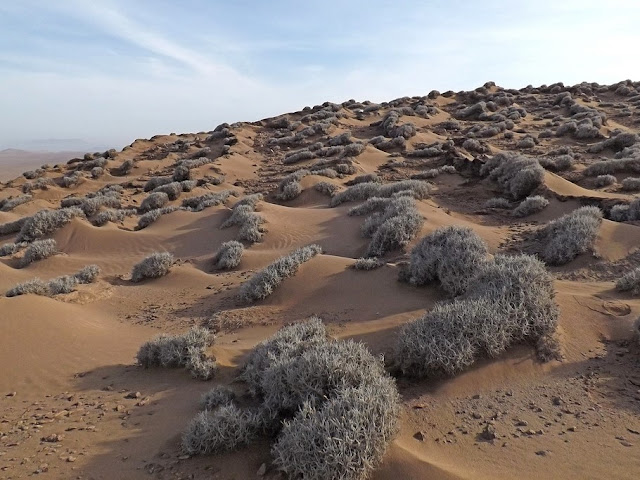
{"x": 521, "y": 423}
{"x": 71, "y": 459}
{"x": 476, "y": 415}
{"x": 488, "y": 433}
{"x": 631, "y": 430}
{"x": 133, "y": 395}
{"x": 557, "y": 401}
{"x": 419, "y": 436}
{"x": 262, "y": 470}
{"x": 542, "y": 453}
{"x": 119, "y": 408}
{"x": 12, "y": 394}
{"x": 572, "y": 429}
{"x": 53, "y": 438}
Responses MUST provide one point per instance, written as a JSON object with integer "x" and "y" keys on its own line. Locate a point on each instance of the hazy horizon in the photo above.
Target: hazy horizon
{"x": 105, "y": 73}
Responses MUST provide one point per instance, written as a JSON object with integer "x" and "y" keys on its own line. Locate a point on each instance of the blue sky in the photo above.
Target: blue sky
{"x": 111, "y": 71}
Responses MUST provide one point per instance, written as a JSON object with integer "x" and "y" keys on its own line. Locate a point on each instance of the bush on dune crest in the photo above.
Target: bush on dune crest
{"x": 263, "y": 283}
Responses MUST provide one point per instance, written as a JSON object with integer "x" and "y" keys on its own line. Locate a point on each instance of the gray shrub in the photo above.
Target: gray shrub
{"x": 630, "y": 281}
{"x": 218, "y": 396}
{"x": 616, "y": 143}
{"x": 510, "y": 300}
{"x": 35, "y": 286}
{"x": 567, "y": 237}
{"x": 370, "y": 263}
{"x": 39, "y": 250}
{"x": 46, "y": 222}
{"x": 605, "y": 180}
{"x": 155, "y": 182}
{"x": 497, "y": 202}
{"x": 154, "y": 201}
{"x": 263, "y": 283}
{"x": 87, "y": 274}
{"x": 619, "y": 213}
{"x": 517, "y": 175}
{"x": 173, "y": 189}
{"x": 394, "y": 227}
{"x": 631, "y": 184}
{"x": 243, "y": 215}
{"x": 530, "y": 205}
{"x": 363, "y": 191}
{"x": 151, "y": 216}
{"x": 112, "y": 215}
{"x": 452, "y": 255}
{"x": 11, "y": 248}
{"x": 349, "y": 433}
{"x": 180, "y": 351}
{"x": 224, "y": 429}
{"x": 298, "y": 156}
{"x": 8, "y": 204}
{"x": 229, "y": 255}
{"x": 197, "y": 204}
{"x": 326, "y": 188}
{"x": 154, "y": 266}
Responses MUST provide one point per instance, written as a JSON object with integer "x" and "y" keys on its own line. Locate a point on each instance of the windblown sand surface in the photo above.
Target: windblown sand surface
{"x": 68, "y": 361}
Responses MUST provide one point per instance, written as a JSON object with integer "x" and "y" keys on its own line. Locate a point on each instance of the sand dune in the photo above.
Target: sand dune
{"x": 69, "y": 360}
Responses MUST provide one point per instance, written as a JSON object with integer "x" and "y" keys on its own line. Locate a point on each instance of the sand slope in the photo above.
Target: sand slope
{"x": 69, "y": 360}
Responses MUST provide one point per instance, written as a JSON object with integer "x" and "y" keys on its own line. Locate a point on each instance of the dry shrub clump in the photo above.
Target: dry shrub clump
{"x": 452, "y": 255}
{"x": 363, "y": 191}
{"x": 243, "y": 215}
{"x": 112, "y": 215}
{"x": 218, "y": 396}
{"x": 326, "y": 188}
{"x": 152, "y": 215}
{"x": 517, "y": 175}
{"x": 330, "y": 404}
{"x": 197, "y": 204}
{"x": 392, "y": 225}
{"x": 176, "y": 351}
{"x": 229, "y": 255}
{"x": 369, "y": 263}
{"x": 497, "y": 202}
{"x": 155, "y": 265}
{"x": 154, "y": 201}
{"x": 8, "y": 204}
{"x": 630, "y": 281}
{"x": 289, "y": 187}
{"x": 39, "y": 250}
{"x": 631, "y": 184}
{"x": 531, "y": 205}
{"x": 58, "y": 285}
{"x": 567, "y": 237}
{"x": 605, "y": 180}
{"x": 11, "y": 248}
{"x": 263, "y": 283}
{"x": 509, "y": 300}
{"x": 45, "y": 222}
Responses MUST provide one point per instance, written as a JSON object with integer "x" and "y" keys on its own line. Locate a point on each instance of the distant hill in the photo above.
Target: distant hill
{"x": 14, "y": 161}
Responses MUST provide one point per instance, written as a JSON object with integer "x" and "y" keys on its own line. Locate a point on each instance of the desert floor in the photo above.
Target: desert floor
{"x": 74, "y": 404}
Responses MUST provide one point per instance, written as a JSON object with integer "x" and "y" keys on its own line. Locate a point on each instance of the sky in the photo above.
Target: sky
{"x": 105, "y": 72}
